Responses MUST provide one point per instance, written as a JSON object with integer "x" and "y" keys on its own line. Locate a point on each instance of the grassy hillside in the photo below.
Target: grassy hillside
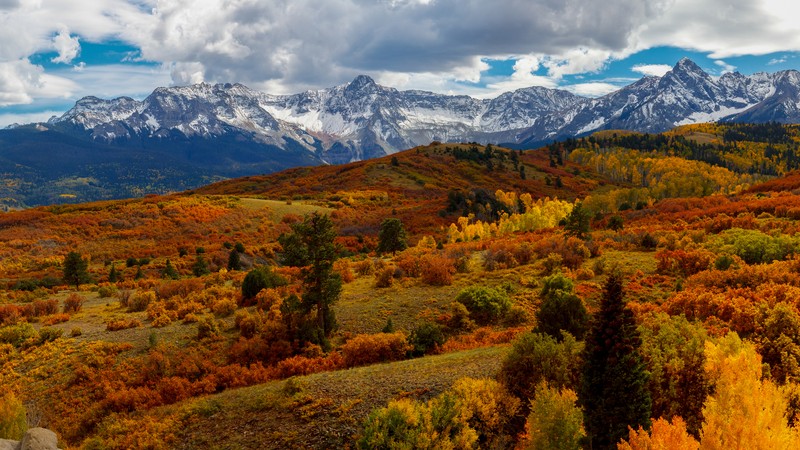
{"x": 145, "y": 359}
{"x": 414, "y": 185}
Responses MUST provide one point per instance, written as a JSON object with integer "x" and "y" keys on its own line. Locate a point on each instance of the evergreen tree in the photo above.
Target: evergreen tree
{"x": 311, "y": 246}
{"x": 258, "y": 279}
{"x": 616, "y": 222}
{"x": 139, "y": 274}
{"x": 614, "y": 392}
{"x": 234, "y": 263}
{"x": 75, "y": 269}
{"x": 577, "y": 222}
{"x": 200, "y": 266}
{"x": 392, "y": 236}
{"x": 113, "y": 275}
{"x": 170, "y": 272}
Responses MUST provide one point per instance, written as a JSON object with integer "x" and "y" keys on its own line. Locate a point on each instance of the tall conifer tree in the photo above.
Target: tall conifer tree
{"x": 614, "y": 391}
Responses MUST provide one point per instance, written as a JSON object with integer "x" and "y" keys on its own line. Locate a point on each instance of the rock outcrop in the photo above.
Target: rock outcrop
{"x": 34, "y": 439}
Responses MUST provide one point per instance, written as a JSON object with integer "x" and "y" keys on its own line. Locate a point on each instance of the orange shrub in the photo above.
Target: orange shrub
{"x": 363, "y": 267}
{"x": 161, "y": 321}
{"x": 44, "y": 307}
{"x": 384, "y": 277}
{"x": 410, "y": 263}
{"x": 572, "y": 251}
{"x": 122, "y": 324}
{"x": 438, "y": 270}
{"x": 73, "y": 303}
{"x": 482, "y": 337}
{"x": 266, "y": 298}
{"x": 302, "y": 365}
{"x": 223, "y": 307}
{"x": 342, "y": 266}
{"x": 683, "y": 262}
{"x": 141, "y": 300}
{"x": 366, "y": 349}
{"x": 180, "y": 288}
{"x": 55, "y": 318}
{"x": 10, "y": 314}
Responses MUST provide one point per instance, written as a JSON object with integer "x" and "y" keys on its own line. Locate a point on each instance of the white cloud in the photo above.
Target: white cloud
{"x": 725, "y": 67}
{"x": 580, "y": 60}
{"x": 115, "y": 80}
{"x": 67, "y": 47}
{"x": 774, "y": 61}
{"x": 23, "y": 118}
{"x": 653, "y": 70}
{"x": 290, "y": 45}
{"x": 724, "y": 29}
{"x": 21, "y": 82}
{"x": 594, "y": 89}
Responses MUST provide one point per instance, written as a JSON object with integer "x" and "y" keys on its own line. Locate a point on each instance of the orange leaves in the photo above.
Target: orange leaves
{"x": 684, "y": 262}
{"x": 663, "y": 435}
{"x": 373, "y": 348}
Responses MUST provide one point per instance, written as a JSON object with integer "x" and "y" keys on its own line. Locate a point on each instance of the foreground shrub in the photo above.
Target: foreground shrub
{"x": 485, "y": 305}
{"x": 426, "y": 338}
{"x": 47, "y": 334}
{"x": 561, "y": 309}
{"x": 107, "y": 291}
{"x": 472, "y": 414}
{"x": 44, "y": 307}
{"x": 384, "y": 277}
{"x": 223, "y": 307}
{"x": 73, "y": 303}
{"x": 683, "y": 262}
{"x": 363, "y": 267}
{"x": 260, "y": 278}
{"x": 573, "y": 251}
{"x": 753, "y": 246}
{"x": 179, "y": 288}
{"x": 555, "y": 421}
{"x": 141, "y": 300}
{"x": 13, "y": 419}
{"x": 438, "y": 270}
{"x": 537, "y": 357}
{"x": 55, "y": 318}
{"x": 17, "y": 335}
{"x": 122, "y": 324}
{"x": 374, "y": 348}
{"x": 208, "y": 327}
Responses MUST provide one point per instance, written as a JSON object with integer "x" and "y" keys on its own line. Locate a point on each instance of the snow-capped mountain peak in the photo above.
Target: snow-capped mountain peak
{"x": 362, "y": 119}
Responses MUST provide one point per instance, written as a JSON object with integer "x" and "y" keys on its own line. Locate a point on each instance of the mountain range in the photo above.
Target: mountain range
{"x": 181, "y": 137}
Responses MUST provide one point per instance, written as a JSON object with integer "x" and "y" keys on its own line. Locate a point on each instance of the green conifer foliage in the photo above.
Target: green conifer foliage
{"x": 614, "y": 390}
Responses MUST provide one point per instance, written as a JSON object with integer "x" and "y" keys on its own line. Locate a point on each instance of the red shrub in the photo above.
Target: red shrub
{"x": 122, "y": 324}
{"x": 73, "y": 303}
{"x": 683, "y": 262}
{"x": 302, "y": 365}
{"x": 45, "y": 307}
{"x": 10, "y": 314}
{"x": 180, "y": 288}
{"x": 373, "y": 348}
{"x": 438, "y": 270}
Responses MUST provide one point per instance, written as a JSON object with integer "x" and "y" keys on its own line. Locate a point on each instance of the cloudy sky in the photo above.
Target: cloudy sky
{"x": 53, "y": 52}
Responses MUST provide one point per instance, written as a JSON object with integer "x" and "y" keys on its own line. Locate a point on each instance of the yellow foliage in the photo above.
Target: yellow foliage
{"x": 539, "y": 214}
{"x": 13, "y": 422}
{"x": 663, "y": 436}
{"x": 745, "y": 411}
{"x": 555, "y": 421}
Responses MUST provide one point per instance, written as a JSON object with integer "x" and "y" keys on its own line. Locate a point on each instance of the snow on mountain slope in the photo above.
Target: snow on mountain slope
{"x": 362, "y": 119}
